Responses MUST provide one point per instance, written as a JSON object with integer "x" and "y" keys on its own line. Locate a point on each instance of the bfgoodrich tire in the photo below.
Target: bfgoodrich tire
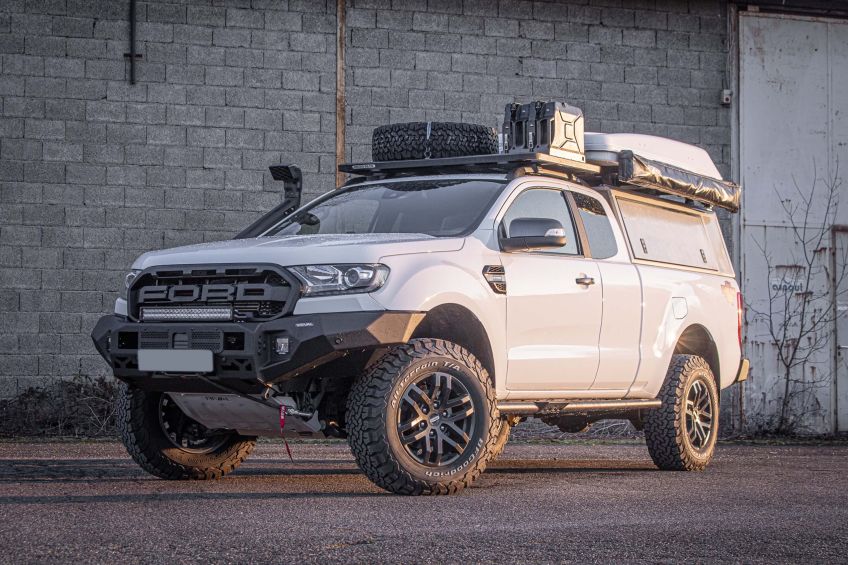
{"x": 170, "y": 445}
{"x": 682, "y": 433}
{"x": 422, "y": 140}
{"x": 424, "y": 420}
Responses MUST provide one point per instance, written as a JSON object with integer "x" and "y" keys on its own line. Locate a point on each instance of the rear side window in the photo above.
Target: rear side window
{"x": 668, "y": 235}
{"x": 544, "y": 203}
{"x": 597, "y": 225}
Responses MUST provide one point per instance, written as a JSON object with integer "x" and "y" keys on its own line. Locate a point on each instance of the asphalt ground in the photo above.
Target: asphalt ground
{"x": 540, "y": 502}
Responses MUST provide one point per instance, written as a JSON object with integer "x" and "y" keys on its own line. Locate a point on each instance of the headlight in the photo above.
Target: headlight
{"x": 128, "y": 280}
{"x": 339, "y": 279}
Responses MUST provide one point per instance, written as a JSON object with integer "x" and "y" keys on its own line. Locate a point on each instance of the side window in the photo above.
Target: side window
{"x": 544, "y": 203}
{"x": 597, "y": 225}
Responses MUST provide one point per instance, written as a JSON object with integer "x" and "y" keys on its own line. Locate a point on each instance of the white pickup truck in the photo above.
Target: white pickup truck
{"x": 437, "y": 299}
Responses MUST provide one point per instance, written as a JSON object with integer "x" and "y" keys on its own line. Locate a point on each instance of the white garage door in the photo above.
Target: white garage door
{"x": 793, "y": 137}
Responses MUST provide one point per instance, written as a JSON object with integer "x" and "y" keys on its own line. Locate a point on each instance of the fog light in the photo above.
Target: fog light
{"x": 281, "y": 345}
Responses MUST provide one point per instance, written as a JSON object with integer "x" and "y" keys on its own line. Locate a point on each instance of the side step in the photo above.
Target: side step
{"x": 526, "y": 408}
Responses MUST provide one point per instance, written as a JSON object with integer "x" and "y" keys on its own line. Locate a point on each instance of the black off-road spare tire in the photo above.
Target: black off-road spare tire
{"x": 426, "y": 140}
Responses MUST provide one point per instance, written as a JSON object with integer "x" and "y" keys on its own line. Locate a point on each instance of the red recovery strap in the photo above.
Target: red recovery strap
{"x": 282, "y": 426}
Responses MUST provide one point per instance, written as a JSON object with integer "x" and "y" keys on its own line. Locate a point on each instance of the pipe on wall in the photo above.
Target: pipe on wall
{"x": 340, "y": 90}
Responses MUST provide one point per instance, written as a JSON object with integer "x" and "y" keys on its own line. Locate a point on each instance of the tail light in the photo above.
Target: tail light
{"x": 740, "y": 316}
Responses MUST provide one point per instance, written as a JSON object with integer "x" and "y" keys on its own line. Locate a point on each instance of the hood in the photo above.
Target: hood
{"x": 300, "y": 249}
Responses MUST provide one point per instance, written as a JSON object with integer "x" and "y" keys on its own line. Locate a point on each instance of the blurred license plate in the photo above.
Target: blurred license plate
{"x": 175, "y": 361}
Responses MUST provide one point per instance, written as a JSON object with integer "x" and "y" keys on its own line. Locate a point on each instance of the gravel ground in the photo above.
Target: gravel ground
{"x": 540, "y": 502}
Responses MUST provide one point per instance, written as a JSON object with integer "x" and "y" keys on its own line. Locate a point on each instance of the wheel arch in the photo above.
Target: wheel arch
{"x": 697, "y": 340}
{"x": 457, "y": 324}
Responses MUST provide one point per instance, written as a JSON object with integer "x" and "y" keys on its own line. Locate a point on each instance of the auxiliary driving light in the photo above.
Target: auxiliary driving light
{"x": 281, "y": 345}
{"x": 169, "y": 314}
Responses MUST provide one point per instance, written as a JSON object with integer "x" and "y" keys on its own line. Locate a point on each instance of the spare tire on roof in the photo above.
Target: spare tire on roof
{"x": 423, "y": 140}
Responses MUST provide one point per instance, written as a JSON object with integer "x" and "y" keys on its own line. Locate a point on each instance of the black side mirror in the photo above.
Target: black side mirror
{"x": 533, "y": 233}
{"x": 292, "y": 188}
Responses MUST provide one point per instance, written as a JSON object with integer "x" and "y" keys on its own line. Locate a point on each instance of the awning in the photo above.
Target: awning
{"x": 646, "y": 173}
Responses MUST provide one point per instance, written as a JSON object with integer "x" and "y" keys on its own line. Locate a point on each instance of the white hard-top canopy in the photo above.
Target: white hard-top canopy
{"x": 603, "y": 148}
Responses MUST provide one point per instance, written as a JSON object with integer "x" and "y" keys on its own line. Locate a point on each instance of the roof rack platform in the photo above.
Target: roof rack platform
{"x": 495, "y": 163}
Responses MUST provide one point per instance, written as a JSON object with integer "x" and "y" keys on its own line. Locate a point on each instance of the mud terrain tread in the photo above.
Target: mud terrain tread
{"x": 135, "y": 434}
{"x": 447, "y": 139}
{"x": 664, "y": 433}
{"x": 366, "y": 420}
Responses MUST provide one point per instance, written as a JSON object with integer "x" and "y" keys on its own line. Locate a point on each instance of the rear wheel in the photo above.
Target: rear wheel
{"x": 170, "y": 445}
{"x": 424, "y": 420}
{"x": 682, "y": 433}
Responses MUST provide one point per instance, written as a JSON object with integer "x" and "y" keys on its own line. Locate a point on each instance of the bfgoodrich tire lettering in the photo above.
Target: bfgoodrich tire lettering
{"x": 140, "y": 425}
{"x": 375, "y": 418}
{"x": 681, "y": 435}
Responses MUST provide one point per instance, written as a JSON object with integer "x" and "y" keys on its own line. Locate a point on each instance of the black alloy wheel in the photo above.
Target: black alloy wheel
{"x": 699, "y": 415}
{"x": 435, "y": 419}
{"x": 186, "y": 433}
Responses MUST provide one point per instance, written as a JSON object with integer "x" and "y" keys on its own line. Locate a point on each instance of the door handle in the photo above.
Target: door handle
{"x": 584, "y": 281}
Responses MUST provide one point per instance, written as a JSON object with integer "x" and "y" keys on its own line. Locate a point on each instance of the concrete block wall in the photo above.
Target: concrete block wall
{"x": 644, "y": 66}
{"x": 94, "y": 171}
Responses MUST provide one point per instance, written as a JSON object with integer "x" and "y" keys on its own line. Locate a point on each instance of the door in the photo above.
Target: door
{"x": 793, "y": 138}
{"x": 840, "y": 273}
{"x": 553, "y": 305}
{"x": 621, "y": 325}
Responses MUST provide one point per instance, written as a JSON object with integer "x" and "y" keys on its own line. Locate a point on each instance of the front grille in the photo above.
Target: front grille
{"x": 240, "y": 293}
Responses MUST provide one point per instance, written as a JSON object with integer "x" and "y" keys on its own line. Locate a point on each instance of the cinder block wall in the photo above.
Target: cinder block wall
{"x": 95, "y": 171}
{"x": 645, "y": 66}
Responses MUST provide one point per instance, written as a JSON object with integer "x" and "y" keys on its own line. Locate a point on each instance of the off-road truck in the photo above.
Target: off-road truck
{"x": 460, "y": 282}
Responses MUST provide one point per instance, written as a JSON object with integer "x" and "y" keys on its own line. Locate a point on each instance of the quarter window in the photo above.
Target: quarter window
{"x": 544, "y": 203}
{"x": 597, "y": 225}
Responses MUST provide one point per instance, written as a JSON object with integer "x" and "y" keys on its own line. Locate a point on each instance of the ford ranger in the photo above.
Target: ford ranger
{"x": 457, "y": 284}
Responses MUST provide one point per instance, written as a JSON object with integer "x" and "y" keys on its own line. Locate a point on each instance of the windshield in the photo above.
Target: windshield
{"x": 441, "y": 208}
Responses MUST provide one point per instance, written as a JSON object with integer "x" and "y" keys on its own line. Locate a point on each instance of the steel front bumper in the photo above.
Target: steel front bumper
{"x": 247, "y": 351}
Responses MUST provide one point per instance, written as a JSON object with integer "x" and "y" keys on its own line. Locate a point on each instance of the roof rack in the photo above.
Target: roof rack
{"x": 540, "y": 163}
{"x": 547, "y": 138}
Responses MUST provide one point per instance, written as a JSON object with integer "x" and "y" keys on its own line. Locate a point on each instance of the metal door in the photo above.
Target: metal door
{"x": 840, "y": 274}
{"x": 793, "y": 133}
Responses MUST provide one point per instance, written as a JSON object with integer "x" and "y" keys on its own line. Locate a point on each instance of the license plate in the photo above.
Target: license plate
{"x": 175, "y": 361}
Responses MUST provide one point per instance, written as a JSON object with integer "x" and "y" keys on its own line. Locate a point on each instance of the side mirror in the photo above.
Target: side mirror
{"x": 533, "y": 233}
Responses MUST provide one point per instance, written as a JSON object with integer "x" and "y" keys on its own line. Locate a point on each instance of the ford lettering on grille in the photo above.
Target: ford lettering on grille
{"x": 204, "y": 293}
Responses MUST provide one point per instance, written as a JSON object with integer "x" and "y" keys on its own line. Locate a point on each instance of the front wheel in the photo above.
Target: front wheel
{"x": 682, "y": 433}
{"x": 424, "y": 420}
{"x": 170, "y": 445}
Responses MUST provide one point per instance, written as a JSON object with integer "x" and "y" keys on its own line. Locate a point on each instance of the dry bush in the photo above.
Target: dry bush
{"x": 80, "y": 407}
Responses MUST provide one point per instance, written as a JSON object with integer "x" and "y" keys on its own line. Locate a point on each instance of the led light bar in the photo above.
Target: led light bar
{"x": 165, "y": 314}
